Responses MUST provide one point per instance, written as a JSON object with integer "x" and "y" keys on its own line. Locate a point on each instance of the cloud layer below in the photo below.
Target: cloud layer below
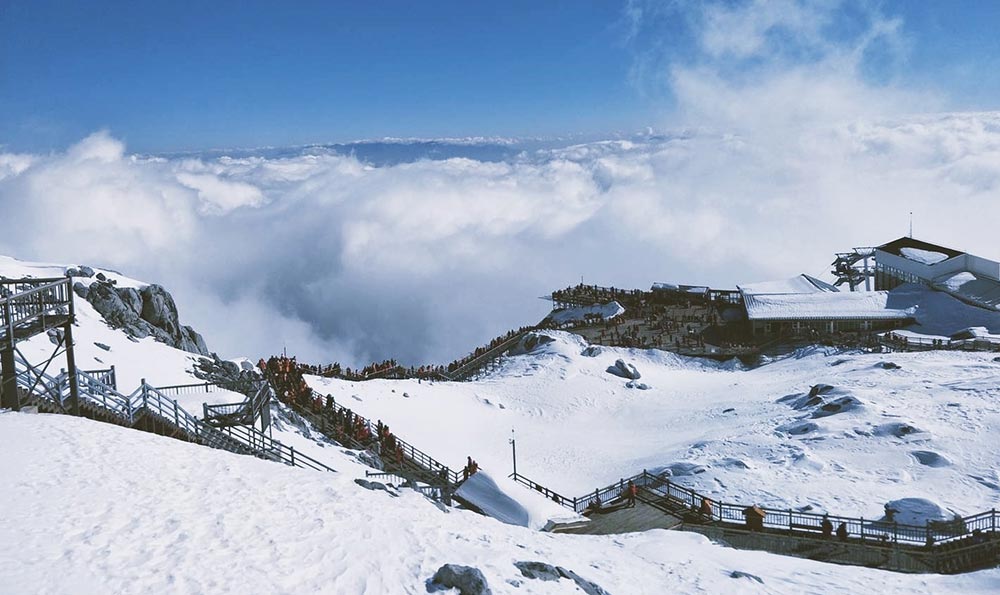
{"x": 773, "y": 167}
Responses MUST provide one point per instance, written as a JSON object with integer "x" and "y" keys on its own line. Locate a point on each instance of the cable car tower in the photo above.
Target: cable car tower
{"x": 853, "y": 268}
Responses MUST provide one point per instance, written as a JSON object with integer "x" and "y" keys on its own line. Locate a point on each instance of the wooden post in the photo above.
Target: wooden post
{"x": 10, "y": 398}
{"x": 74, "y": 387}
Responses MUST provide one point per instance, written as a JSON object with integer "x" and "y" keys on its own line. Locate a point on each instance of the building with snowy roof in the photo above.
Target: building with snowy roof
{"x": 822, "y": 312}
{"x": 972, "y": 279}
{"x": 798, "y": 284}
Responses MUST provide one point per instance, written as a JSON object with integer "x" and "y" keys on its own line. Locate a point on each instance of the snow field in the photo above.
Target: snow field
{"x": 94, "y": 508}
{"x": 896, "y": 426}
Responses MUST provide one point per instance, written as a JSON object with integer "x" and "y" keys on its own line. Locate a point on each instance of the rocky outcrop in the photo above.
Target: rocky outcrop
{"x": 624, "y": 370}
{"x": 149, "y": 312}
{"x": 468, "y": 580}
{"x": 548, "y": 572}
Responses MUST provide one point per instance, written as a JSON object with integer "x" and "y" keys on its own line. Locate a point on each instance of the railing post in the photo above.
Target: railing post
{"x": 177, "y": 417}
{"x": 74, "y": 387}
{"x": 862, "y": 529}
{"x": 292, "y": 450}
{"x": 993, "y": 519}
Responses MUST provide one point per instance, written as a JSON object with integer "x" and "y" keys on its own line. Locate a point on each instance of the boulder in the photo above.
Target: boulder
{"x": 149, "y": 312}
{"x": 538, "y": 570}
{"x": 81, "y": 290}
{"x": 85, "y": 271}
{"x": 624, "y": 370}
{"x": 586, "y": 586}
{"x": 132, "y": 300}
{"x": 468, "y": 580}
{"x": 371, "y": 485}
{"x": 158, "y": 309}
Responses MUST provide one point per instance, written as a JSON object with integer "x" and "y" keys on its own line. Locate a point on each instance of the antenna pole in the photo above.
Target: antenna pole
{"x": 911, "y": 224}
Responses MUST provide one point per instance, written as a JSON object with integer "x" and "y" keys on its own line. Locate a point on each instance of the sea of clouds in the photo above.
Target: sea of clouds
{"x": 779, "y": 148}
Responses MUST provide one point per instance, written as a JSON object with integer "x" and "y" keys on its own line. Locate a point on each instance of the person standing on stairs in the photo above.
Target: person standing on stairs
{"x": 630, "y": 493}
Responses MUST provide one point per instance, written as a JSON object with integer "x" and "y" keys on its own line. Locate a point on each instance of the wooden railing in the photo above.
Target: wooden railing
{"x": 412, "y": 454}
{"x": 478, "y": 362}
{"x": 25, "y": 301}
{"x": 147, "y": 399}
{"x": 937, "y": 533}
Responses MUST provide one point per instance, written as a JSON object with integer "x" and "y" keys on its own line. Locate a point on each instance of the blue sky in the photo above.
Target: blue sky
{"x": 192, "y": 75}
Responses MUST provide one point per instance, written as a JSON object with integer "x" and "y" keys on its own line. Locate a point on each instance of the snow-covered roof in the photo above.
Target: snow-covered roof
{"x": 970, "y": 287}
{"x": 871, "y": 305}
{"x": 798, "y": 284}
{"x": 919, "y": 251}
{"x": 923, "y": 256}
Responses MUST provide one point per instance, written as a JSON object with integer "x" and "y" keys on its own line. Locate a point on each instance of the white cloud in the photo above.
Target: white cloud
{"x": 780, "y": 164}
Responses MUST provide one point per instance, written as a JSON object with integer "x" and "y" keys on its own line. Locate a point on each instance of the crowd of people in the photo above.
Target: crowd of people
{"x": 390, "y": 368}
{"x": 339, "y": 422}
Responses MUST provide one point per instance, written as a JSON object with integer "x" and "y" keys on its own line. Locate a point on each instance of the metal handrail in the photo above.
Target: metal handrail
{"x": 415, "y": 455}
{"x": 874, "y": 531}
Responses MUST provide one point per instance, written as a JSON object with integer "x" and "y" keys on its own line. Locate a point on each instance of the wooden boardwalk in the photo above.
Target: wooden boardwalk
{"x": 622, "y": 519}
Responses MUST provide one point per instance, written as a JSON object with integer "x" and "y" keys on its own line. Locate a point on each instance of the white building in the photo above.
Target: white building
{"x": 972, "y": 279}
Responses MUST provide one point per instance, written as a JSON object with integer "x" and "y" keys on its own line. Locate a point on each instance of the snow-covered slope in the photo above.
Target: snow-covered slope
{"x": 91, "y": 508}
{"x": 98, "y": 346}
{"x": 906, "y": 425}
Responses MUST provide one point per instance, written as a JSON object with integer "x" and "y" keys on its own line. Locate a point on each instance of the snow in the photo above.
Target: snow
{"x": 938, "y": 313}
{"x": 510, "y": 503}
{"x": 120, "y": 510}
{"x": 606, "y": 311}
{"x": 798, "y": 284}
{"x": 923, "y": 256}
{"x": 861, "y": 304}
{"x": 982, "y": 291}
{"x": 83, "y": 515}
{"x": 579, "y": 428}
{"x": 134, "y": 360}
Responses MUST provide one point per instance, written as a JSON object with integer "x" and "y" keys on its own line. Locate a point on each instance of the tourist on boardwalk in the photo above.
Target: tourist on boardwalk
{"x": 595, "y": 504}
{"x": 755, "y": 518}
{"x": 706, "y": 508}
{"x": 630, "y": 493}
{"x": 827, "y": 527}
{"x": 842, "y": 532}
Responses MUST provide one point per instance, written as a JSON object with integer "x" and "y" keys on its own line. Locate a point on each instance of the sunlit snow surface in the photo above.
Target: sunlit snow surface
{"x": 920, "y": 430}
{"x": 91, "y": 508}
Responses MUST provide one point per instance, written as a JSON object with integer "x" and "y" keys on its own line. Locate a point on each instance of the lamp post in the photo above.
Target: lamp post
{"x": 513, "y": 452}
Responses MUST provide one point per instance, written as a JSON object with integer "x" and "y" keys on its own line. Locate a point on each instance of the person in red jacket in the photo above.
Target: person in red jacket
{"x": 630, "y": 493}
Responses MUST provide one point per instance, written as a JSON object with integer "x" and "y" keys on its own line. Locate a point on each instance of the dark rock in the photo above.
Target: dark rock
{"x": 101, "y": 277}
{"x": 798, "y": 428}
{"x": 150, "y": 312}
{"x": 371, "y": 485}
{"x": 930, "y": 458}
{"x": 728, "y": 410}
{"x": 538, "y": 570}
{"x": 888, "y": 366}
{"x": 741, "y": 574}
{"x": 897, "y": 429}
{"x": 103, "y": 346}
{"x": 468, "y": 580}
{"x": 586, "y": 586}
{"x": 159, "y": 310}
{"x": 624, "y": 370}
{"x": 71, "y": 272}
{"x": 81, "y": 290}
{"x": 132, "y": 300}
{"x": 638, "y": 385}
{"x": 592, "y": 351}
{"x": 86, "y": 271}
{"x": 841, "y": 405}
